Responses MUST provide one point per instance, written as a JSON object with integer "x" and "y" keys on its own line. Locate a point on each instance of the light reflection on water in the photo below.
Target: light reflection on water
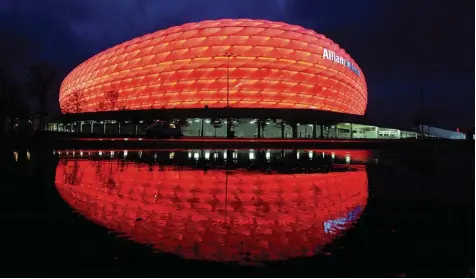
{"x": 272, "y": 205}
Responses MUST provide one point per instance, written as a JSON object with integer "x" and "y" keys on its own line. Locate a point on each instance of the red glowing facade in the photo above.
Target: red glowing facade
{"x": 260, "y": 217}
{"x": 273, "y": 65}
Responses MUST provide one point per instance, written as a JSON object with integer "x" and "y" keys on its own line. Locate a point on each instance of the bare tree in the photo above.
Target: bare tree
{"x": 216, "y": 123}
{"x": 294, "y": 127}
{"x": 41, "y": 84}
{"x": 182, "y": 121}
{"x": 280, "y": 124}
{"x": 75, "y": 176}
{"x": 110, "y": 99}
{"x": 235, "y": 122}
{"x": 261, "y": 124}
{"x": 102, "y": 105}
{"x": 11, "y": 103}
{"x": 326, "y": 125}
{"x": 76, "y": 99}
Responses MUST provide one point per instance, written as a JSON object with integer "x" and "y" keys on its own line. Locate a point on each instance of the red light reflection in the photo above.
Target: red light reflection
{"x": 268, "y": 217}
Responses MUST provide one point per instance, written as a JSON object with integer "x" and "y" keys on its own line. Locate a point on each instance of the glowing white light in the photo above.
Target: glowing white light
{"x": 196, "y": 155}
{"x": 28, "y": 156}
{"x": 189, "y": 155}
{"x": 311, "y": 154}
{"x": 235, "y": 155}
{"x": 252, "y": 155}
{"x": 171, "y": 155}
{"x": 140, "y": 138}
{"x": 15, "y": 154}
{"x": 333, "y": 155}
{"x": 224, "y": 154}
{"x": 297, "y": 155}
{"x": 112, "y": 154}
{"x": 140, "y": 154}
{"x": 207, "y": 121}
{"x": 126, "y": 139}
{"x": 80, "y": 153}
{"x": 347, "y": 159}
{"x": 125, "y": 153}
{"x": 323, "y": 154}
{"x": 215, "y": 155}
{"x": 207, "y": 155}
{"x": 100, "y": 153}
{"x": 155, "y": 156}
{"x": 268, "y": 155}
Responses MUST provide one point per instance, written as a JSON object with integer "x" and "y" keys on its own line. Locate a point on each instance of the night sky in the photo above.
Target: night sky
{"x": 399, "y": 44}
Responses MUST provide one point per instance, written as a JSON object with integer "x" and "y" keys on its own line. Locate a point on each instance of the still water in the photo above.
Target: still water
{"x": 232, "y": 212}
{"x": 257, "y": 210}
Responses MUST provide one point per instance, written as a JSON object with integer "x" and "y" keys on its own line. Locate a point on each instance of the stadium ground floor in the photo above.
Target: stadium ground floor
{"x": 242, "y": 128}
{"x": 242, "y": 123}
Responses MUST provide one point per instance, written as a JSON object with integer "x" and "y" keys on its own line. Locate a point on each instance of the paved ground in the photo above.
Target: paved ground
{"x": 64, "y": 141}
{"x": 199, "y": 142}
{"x": 205, "y": 139}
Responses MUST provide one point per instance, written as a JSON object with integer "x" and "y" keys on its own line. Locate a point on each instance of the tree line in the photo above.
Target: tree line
{"x": 108, "y": 102}
{"x": 13, "y": 100}
{"x": 41, "y": 81}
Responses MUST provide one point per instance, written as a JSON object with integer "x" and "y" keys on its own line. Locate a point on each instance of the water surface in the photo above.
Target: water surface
{"x": 261, "y": 212}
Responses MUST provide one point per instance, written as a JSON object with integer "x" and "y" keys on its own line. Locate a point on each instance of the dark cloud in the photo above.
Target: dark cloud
{"x": 399, "y": 44}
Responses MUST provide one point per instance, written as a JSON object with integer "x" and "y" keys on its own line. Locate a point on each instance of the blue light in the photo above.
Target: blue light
{"x": 332, "y": 226}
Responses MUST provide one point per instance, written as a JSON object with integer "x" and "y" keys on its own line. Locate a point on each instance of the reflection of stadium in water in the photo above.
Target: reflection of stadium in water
{"x": 244, "y": 156}
{"x": 209, "y": 215}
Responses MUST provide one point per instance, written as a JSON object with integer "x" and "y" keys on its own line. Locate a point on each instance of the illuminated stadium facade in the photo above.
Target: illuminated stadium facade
{"x": 267, "y": 78}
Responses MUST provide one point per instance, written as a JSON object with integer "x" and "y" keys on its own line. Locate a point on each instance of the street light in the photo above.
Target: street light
{"x": 228, "y": 126}
{"x": 228, "y": 55}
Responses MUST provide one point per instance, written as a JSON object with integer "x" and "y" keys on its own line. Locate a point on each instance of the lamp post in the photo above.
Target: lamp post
{"x": 228, "y": 126}
{"x": 228, "y": 55}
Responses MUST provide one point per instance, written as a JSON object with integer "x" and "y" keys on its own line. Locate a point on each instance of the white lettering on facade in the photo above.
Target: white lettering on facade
{"x": 331, "y": 55}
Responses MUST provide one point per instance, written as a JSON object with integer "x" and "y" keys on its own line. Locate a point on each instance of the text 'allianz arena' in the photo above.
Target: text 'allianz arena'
{"x": 272, "y": 65}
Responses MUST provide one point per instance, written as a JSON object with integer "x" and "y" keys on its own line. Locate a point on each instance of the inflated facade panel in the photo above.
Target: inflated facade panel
{"x": 272, "y": 65}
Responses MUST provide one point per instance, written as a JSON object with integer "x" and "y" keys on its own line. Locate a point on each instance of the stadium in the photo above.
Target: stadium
{"x": 219, "y": 78}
